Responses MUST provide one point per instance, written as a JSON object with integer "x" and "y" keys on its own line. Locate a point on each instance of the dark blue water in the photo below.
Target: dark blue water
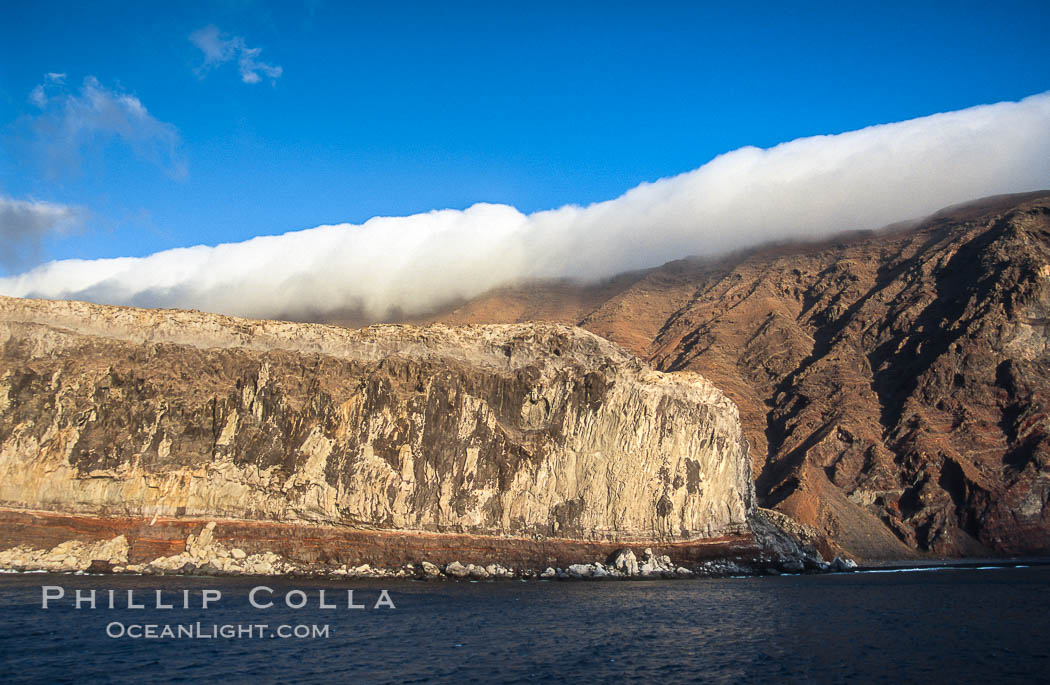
{"x": 936, "y": 626}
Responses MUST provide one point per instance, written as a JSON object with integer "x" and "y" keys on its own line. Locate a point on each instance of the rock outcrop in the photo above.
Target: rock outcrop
{"x": 529, "y": 432}
{"x": 72, "y": 555}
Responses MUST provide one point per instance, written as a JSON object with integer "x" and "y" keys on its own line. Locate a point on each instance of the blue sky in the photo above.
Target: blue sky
{"x": 395, "y": 108}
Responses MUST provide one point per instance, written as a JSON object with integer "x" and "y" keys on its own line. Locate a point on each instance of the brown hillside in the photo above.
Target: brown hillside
{"x": 892, "y": 385}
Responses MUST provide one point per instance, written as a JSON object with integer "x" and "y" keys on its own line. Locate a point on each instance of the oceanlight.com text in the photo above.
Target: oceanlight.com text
{"x": 213, "y": 631}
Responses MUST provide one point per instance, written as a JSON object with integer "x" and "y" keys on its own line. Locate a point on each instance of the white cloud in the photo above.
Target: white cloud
{"x": 23, "y": 223}
{"x": 218, "y": 48}
{"x": 807, "y": 188}
{"x": 68, "y": 121}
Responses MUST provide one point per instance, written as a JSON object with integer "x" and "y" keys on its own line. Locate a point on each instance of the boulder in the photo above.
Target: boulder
{"x": 477, "y": 572}
{"x": 815, "y": 563}
{"x": 100, "y": 566}
{"x": 581, "y": 570}
{"x": 840, "y": 565}
{"x": 456, "y": 570}
{"x": 624, "y": 561}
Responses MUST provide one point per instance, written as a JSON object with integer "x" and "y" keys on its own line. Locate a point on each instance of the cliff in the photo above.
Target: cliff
{"x": 532, "y": 432}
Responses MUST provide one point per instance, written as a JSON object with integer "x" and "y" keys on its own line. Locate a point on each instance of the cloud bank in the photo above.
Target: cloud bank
{"x": 23, "y": 223}
{"x": 219, "y": 49}
{"x": 67, "y": 121}
{"x": 804, "y": 189}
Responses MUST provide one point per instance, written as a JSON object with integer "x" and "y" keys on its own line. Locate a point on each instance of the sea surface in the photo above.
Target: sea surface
{"x": 947, "y": 625}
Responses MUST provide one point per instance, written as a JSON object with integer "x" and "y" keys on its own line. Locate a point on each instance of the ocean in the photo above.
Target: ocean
{"x": 946, "y": 625}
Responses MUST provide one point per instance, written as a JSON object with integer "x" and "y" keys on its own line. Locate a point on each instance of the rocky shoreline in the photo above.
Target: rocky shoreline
{"x": 206, "y": 556}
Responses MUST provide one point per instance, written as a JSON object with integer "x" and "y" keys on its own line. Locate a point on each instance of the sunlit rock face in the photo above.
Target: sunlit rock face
{"x": 535, "y": 430}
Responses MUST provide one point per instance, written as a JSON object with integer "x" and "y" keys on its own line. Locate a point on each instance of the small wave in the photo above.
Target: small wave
{"x": 920, "y": 569}
{"x": 917, "y": 569}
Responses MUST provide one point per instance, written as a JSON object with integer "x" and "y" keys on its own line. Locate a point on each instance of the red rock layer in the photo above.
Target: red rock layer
{"x": 313, "y": 544}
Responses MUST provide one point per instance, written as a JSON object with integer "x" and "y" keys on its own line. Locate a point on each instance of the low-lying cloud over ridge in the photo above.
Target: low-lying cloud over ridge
{"x": 807, "y": 188}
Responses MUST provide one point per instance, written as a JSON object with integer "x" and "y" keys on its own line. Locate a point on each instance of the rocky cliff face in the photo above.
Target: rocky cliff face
{"x": 893, "y": 385}
{"x": 535, "y": 431}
